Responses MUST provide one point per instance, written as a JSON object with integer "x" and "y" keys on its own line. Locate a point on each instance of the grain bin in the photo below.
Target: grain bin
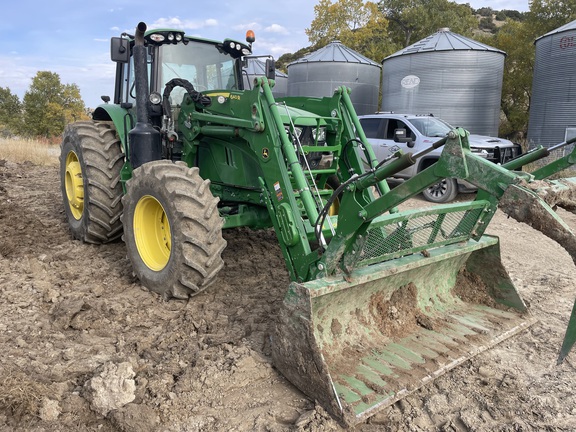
{"x": 553, "y": 103}
{"x": 321, "y": 72}
{"x": 449, "y": 76}
{"x": 257, "y": 68}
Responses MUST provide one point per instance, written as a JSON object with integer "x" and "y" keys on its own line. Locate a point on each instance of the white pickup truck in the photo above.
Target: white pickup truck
{"x": 390, "y": 132}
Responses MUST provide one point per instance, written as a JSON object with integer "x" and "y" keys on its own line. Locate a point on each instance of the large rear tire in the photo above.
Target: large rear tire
{"x": 172, "y": 229}
{"x": 91, "y": 159}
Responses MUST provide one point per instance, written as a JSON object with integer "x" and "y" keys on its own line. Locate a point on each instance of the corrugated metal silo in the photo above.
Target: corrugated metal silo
{"x": 321, "y": 72}
{"x": 553, "y": 103}
{"x": 257, "y": 68}
{"x": 450, "y": 76}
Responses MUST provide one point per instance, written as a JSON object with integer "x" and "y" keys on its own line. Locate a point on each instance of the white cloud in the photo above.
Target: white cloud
{"x": 177, "y": 23}
{"x": 266, "y": 46}
{"x": 277, "y": 28}
{"x": 94, "y": 76}
{"x": 16, "y": 75}
{"x": 252, "y": 26}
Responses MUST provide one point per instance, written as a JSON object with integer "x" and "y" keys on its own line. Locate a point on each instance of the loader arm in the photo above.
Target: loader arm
{"x": 353, "y": 358}
{"x": 456, "y": 161}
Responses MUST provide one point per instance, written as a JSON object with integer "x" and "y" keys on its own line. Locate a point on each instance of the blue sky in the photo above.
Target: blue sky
{"x": 72, "y": 38}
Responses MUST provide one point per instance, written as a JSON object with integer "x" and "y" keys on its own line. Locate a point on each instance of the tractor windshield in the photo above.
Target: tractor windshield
{"x": 201, "y": 63}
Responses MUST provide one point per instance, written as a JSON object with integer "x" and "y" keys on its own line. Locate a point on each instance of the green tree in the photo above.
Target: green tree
{"x": 10, "y": 112}
{"x": 412, "y": 20}
{"x": 547, "y": 15}
{"x": 486, "y": 23}
{"x": 49, "y": 105}
{"x": 515, "y": 15}
{"x": 333, "y": 19}
{"x": 485, "y": 12}
{"x": 285, "y": 59}
{"x": 501, "y": 16}
{"x": 516, "y": 39}
{"x": 358, "y": 25}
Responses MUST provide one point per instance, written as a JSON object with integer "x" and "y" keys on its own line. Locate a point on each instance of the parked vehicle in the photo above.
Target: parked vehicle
{"x": 390, "y": 132}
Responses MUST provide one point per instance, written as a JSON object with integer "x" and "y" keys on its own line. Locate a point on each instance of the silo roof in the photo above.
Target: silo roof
{"x": 565, "y": 27}
{"x": 258, "y": 67}
{"x": 335, "y": 51}
{"x": 445, "y": 40}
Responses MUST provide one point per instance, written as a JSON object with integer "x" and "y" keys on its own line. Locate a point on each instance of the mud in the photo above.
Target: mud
{"x": 84, "y": 347}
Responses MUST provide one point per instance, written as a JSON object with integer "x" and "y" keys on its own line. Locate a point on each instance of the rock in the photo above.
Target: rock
{"x": 112, "y": 388}
{"x": 305, "y": 418}
{"x": 134, "y": 417}
{"x": 49, "y": 410}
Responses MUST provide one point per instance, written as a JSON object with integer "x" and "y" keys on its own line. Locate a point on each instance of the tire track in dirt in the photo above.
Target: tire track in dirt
{"x": 69, "y": 309}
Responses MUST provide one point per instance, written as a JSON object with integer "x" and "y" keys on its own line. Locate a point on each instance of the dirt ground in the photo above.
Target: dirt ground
{"x": 75, "y": 324}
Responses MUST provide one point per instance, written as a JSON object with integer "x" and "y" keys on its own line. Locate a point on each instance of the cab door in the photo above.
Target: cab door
{"x": 387, "y": 136}
{"x": 375, "y": 129}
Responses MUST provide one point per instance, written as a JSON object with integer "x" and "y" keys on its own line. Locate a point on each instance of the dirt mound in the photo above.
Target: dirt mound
{"x": 84, "y": 347}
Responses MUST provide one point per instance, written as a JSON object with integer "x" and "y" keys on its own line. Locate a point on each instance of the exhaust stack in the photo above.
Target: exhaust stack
{"x": 145, "y": 141}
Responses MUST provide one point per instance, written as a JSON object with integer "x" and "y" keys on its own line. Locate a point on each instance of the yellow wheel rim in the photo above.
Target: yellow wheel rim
{"x": 152, "y": 233}
{"x": 334, "y": 208}
{"x": 74, "y": 185}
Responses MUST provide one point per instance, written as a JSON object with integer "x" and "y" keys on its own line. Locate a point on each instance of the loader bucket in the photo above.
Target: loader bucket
{"x": 361, "y": 343}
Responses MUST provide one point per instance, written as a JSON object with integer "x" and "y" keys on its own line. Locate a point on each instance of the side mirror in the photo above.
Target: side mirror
{"x": 270, "y": 69}
{"x": 401, "y": 137}
{"x": 120, "y": 50}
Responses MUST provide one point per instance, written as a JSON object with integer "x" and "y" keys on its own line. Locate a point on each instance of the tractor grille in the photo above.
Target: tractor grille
{"x": 394, "y": 236}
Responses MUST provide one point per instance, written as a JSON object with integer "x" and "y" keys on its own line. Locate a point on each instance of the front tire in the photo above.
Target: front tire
{"x": 172, "y": 229}
{"x": 442, "y": 192}
{"x": 91, "y": 159}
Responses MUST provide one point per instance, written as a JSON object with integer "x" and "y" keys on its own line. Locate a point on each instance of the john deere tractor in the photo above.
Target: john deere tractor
{"x": 184, "y": 152}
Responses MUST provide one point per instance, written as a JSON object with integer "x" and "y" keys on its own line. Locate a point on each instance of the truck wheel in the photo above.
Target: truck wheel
{"x": 172, "y": 229}
{"x": 91, "y": 159}
{"x": 442, "y": 192}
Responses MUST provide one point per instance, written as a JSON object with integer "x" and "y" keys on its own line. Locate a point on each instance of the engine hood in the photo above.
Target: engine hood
{"x": 487, "y": 142}
{"x": 299, "y": 117}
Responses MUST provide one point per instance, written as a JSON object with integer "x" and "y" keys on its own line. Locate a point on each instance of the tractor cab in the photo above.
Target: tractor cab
{"x": 206, "y": 64}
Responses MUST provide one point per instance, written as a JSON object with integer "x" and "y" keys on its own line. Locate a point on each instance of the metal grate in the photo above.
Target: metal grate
{"x": 388, "y": 239}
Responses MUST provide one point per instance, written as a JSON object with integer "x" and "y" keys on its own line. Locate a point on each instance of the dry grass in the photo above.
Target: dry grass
{"x": 19, "y": 394}
{"x": 35, "y": 151}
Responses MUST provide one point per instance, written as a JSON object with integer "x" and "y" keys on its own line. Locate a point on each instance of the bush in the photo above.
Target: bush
{"x": 485, "y": 11}
{"x": 487, "y": 24}
{"x": 501, "y": 16}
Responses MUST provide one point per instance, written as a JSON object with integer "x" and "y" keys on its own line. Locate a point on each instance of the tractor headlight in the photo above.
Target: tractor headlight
{"x": 297, "y": 132}
{"x": 293, "y": 134}
{"x": 319, "y": 134}
{"x": 157, "y": 37}
{"x": 160, "y": 37}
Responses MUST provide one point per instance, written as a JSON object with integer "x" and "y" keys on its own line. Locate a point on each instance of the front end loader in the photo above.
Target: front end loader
{"x": 381, "y": 302}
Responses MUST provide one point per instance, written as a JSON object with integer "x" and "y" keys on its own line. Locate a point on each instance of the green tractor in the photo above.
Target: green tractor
{"x": 381, "y": 300}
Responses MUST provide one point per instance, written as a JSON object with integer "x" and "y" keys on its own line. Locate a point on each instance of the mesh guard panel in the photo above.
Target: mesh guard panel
{"x": 391, "y": 237}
